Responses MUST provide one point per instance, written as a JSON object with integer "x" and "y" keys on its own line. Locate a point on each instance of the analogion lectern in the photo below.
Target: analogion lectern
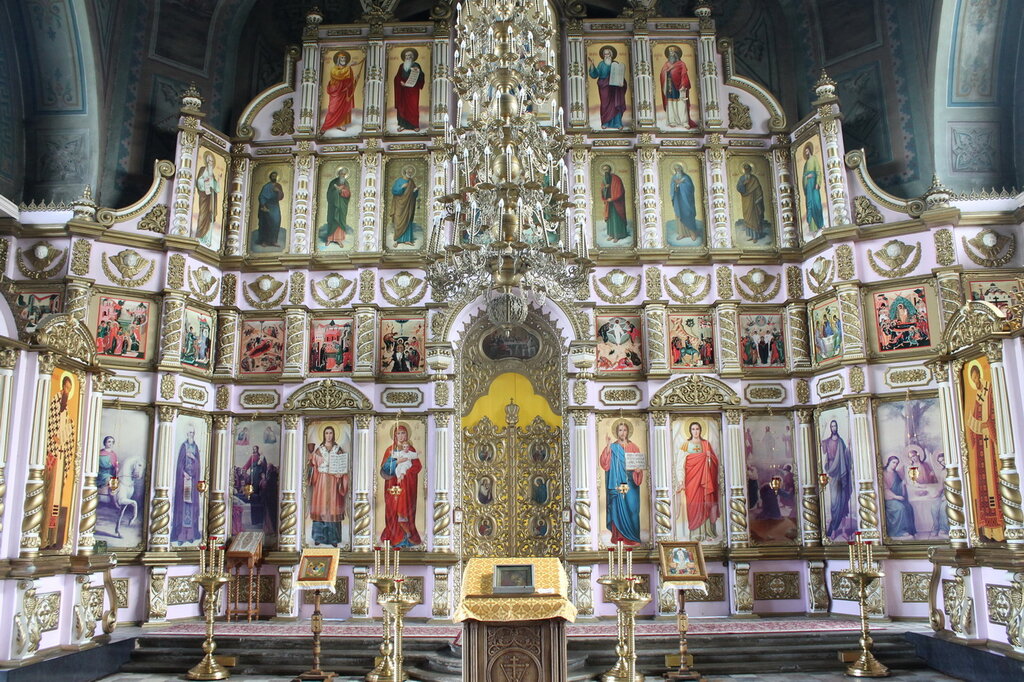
{"x": 517, "y": 636}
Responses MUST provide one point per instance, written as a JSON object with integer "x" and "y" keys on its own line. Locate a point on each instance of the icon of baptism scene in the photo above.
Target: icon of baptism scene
{"x": 511, "y": 340}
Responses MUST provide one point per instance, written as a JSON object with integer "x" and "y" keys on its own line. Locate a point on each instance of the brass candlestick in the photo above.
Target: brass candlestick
{"x": 211, "y": 576}
{"x": 863, "y": 571}
{"x": 397, "y": 605}
{"x": 385, "y": 578}
{"x": 316, "y": 626}
{"x": 621, "y": 585}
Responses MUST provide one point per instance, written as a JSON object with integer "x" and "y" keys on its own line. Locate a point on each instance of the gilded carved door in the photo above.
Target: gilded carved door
{"x": 512, "y": 468}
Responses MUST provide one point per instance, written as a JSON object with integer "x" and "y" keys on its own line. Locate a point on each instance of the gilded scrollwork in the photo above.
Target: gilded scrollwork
{"x": 695, "y": 389}
{"x": 989, "y": 249}
{"x": 327, "y": 394}
{"x": 758, "y": 285}
{"x": 865, "y": 212}
{"x": 821, "y": 274}
{"x": 333, "y": 291}
{"x": 133, "y": 270}
{"x": 42, "y": 260}
{"x": 403, "y": 289}
{"x": 689, "y": 287}
{"x": 204, "y": 284}
{"x": 897, "y": 259}
{"x": 617, "y": 286}
{"x": 265, "y": 292}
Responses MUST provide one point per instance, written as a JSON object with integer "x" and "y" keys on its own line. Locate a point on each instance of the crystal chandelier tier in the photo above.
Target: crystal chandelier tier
{"x": 503, "y": 229}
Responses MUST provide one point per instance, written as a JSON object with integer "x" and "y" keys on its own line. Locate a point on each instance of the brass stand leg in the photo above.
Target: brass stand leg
{"x": 209, "y": 668}
{"x": 685, "y": 672}
{"x": 316, "y": 626}
{"x": 866, "y": 664}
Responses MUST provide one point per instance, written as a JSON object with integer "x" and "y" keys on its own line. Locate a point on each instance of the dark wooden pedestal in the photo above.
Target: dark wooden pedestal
{"x": 519, "y": 651}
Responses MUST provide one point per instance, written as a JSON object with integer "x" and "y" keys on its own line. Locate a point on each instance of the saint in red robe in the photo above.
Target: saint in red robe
{"x": 408, "y": 83}
{"x": 341, "y": 91}
{"x": 400, "y": 468}
{"x": 701, "y": 476}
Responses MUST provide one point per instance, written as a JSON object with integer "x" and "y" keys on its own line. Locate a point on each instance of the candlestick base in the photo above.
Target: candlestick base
{"x": 208, "y": 669}
{"x": 867, "y": 665}
{"x": 322, "y": 675}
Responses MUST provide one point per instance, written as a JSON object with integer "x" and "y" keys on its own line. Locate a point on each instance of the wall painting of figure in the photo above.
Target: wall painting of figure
{"x": 826, "y": 330}
{"x": 210, "y": 197}
{"x": 406, "y": 189}
{"x": 1001, "y": 291}
{"x": 62, "y": 463}
{"x": 30, "y": 307}
{"x": 678, "y": 101}
{"x": 623, "y": 481}
{"x": 810, "y": 194}
{"x": 256, "y": 478}
{"x": 751, "y": 201}
{"x": 401, "y": 345}
{"x": 197, "y": 339}
{"x": 908, "y": 434}
{"x": 261, "y": 347}
{"x": 122, "y": 327}
{"x": 330, "y": 345}
{"x": 518, "y": 343}
{"x": 337, "y": 206}
{"x": 901, "y": 318}
{"x": 269, "y": 208}
{"x": 609, "y": 95}
{"x": 614, "y": 208}
{"x": 327, "y": 474}
{"x": 697, "y": 479}
{"x": 341, "y": 92}
{"x": 619, "y": 343}
{"x": 691, "y": 341}
{"x": 401, "y": 490}
{"x": 126, "y": 443}
{"x": 771, "y": 512}
{"x": 982, "y": 463}
{"x": 408, "y": 92}
{"x": 682, "y": 205}
{"x": 762, "y": 341}
{"x": 191, "y": 458}
{"x": 839, "y": 502}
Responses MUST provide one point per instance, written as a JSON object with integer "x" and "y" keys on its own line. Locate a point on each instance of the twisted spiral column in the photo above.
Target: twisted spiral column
{"x": 160, "y": 506}
{"x": 32, "y": 518}
{"x": 291, "y": 463}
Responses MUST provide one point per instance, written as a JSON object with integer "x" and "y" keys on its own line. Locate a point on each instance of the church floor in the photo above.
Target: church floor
{"x": 917, "y": 675}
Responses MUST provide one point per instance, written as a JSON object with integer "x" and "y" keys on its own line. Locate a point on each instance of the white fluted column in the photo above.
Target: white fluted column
{"x": 863, "y": 446}
{"x": 720, "y": 234}
{"x": 661, "y": 467}
{"x": 8, "y": 361}
{"x": 160, "y": 506}
{"x": 739, "y": 533}
{"x": 781, "y": 158}
{"x": 363, "y": 470}
{"x": 807, "y": 464}
{"x": 1009, "y": 478}
{"x": 309, "y": 96}
{"x": 576, "y": 58}
{"x": 582, "y": 536}
{"x": 950, "y": 428}
{"x": 707, "y": 65}
{"x": 90, "y": 466}
{"x": 31, "y": 523}
{"x": 217, "y": 477}
{"x": 443, "y": 467}
{"x": 291, "y": 464}
{"x": 373, "y": 109}
{"x": 440, "y": 84}
{"x": 644, "y": 102}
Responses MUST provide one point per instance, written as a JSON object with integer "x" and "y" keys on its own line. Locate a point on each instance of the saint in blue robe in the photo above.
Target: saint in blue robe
{"x": 623, "y": 509}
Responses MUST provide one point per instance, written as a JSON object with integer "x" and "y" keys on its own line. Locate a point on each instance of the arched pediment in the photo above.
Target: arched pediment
{"x": 695, "y": 390}
{"x": 65, "y": 334}
{"x": 326, "y": 395}
{"x": 974, "y": 322}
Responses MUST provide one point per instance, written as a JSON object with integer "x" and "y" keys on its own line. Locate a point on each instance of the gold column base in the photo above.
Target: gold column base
{"x": 208, "y": 669}
{"x": 616, "y": 676}
{"x": 867, "y": 665}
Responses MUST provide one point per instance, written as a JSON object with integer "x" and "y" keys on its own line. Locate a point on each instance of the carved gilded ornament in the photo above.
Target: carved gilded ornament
{"x": 803, "y": 391}
{"x": 327, "y": 394}
{"x": 191, "y": 393}
{"x": 688, "y": 287}
{"x": 620, "y": 395}
{"x": 829, "y": 386}
{"x": 780, "y": 585}
{"x": 81, "y": 249}
{"x": 844, "y": 262}
{"x": 990, "y": 249}
{"x": 976, "y": 321}
{"x": 763, "y": 394}
{"x": 958, "y": 603}
{"x": 42, "y": 260}
{"x": 283, "y": 120}
{"x": 617, "y": 286}
{"x": 914, "y": 587}
{"x": 403, "y": 289}
{"x": 739, "y": 113}
{"x": 297, "y": 290}
{"x": 133, "y": 270}
{"x": 259, "y": 399}
{"x": 167, "y": 387}
{"x": 724, "y": 276}
{"x": 330, "y": 291}
{"x": 820, "y": 275}
{"x": 945, "y": 253}
{"x": 865, "y": 212}
{"x": 204, "y": 284}
{"x": 898, "y": 259}
{"x": 652, "y": 275}
{"x": 223, "y": 397}
{"x": 794, "y": 282}
{"x": 856, "y": 377}
{"x": 905, "y": 377}
{"x": 176, "y": 271}
{"x": 694, "y": 389}
{"x": 264, "y": 292}
{"x": 66, "y": 335}
{"x": 758, "y": 285}
{"x": 366, "y": 286}
{"x": 228, "y": 288}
